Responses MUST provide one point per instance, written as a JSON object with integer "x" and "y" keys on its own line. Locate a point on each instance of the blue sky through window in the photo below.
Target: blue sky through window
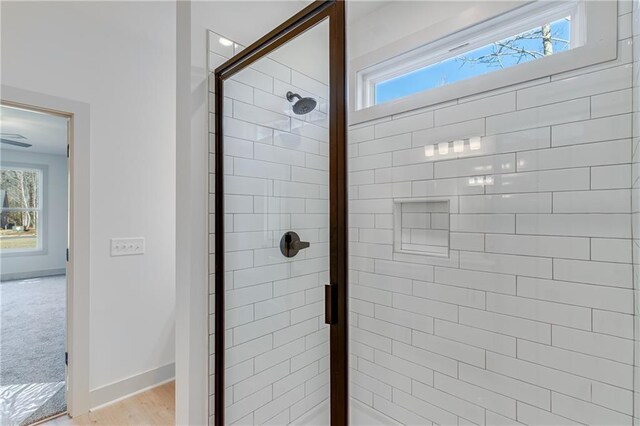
{"x": 523, "y": 47}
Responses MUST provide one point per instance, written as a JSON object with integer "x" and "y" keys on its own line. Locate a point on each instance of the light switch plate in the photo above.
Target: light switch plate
{"x": 127, "y": 246}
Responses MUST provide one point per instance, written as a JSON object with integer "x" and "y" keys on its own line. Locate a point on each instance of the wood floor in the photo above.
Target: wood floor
{"x": 153, "y": 407}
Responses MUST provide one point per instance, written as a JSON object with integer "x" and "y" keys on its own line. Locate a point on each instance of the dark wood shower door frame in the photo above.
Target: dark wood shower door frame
{"x": 311, "y": 15}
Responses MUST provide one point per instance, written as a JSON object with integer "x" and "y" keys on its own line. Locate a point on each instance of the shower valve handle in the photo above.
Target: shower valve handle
{"x": 290, "y": 244}
{"x": 299, "y": 245}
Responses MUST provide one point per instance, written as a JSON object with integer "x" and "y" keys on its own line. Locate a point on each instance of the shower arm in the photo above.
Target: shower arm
{"x": 291, "y": 96}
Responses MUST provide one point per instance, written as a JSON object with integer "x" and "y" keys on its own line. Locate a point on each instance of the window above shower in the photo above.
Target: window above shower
{"x": 548, "y": 37}
{"x": 480, "y": 48}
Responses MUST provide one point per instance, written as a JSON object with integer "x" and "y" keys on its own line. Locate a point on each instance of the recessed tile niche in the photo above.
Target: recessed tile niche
{"x": 421, "y": 227}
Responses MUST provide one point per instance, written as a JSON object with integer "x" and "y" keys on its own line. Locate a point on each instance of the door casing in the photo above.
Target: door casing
{"x": 77, "y": 322}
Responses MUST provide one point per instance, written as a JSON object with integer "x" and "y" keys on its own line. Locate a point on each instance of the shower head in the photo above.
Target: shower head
{"x": 302, "y": 105}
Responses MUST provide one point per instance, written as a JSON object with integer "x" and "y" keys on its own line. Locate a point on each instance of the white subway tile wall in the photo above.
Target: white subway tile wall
{"x": 276, "y": 180}
{"x": 619, "y": 324}
{"x": 219, "y": 49}
{"x": 530, "y": 319}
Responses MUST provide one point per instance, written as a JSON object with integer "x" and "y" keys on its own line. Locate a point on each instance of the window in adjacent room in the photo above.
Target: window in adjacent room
{"x": 21, "y": 214}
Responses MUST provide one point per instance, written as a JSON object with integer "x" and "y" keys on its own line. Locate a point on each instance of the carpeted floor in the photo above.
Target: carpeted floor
{"x": 32, "y": 347}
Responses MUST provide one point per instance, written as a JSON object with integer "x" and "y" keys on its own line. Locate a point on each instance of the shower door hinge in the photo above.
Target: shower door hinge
{"x": 66, "y": 358}
{"x": 67, "y": 255}
{"x": 68, "y": 150}
{"x": 330, "y": 304}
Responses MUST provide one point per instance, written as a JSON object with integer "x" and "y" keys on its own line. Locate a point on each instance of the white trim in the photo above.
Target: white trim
{"x": 477, "y": 36}
{"x": 600, "y": 46}
{"x": 78, "y": 268}
{"x": 126, "y": 388}
{"x": 192, "y": 154}
{"x": 32, "y": 274}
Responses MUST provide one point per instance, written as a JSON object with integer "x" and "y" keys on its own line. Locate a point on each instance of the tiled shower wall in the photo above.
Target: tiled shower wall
{"x": 275, "y": 181}
{"x": 216, "y": 55}
{"x": 530, "y": 318}
{"x": 636, "y": 201}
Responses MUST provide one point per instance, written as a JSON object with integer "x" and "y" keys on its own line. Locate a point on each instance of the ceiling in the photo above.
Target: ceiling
{"x": 309, "y": 51}
{"x": 246, "y": 21}
{"x": 47, "y": 133}
{"x": 357, "y": 9}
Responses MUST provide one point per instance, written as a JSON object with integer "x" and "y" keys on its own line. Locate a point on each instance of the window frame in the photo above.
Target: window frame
{"x": 41, "y": 247}
{"x": 511, "y": 23}
{"x": 594, "y": 31}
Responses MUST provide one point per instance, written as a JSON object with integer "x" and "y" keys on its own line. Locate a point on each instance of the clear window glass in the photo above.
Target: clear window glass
{"x": 535, "y": 43}
{"x": 20, "y": 216}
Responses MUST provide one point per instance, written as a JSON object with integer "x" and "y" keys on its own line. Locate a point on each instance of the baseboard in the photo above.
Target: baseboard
{"x": 130, "y": 386}
{"x": 11, "y": 276}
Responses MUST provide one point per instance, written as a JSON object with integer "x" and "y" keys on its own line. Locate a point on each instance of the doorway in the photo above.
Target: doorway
{"x": 280, "y": 202}
{"x": 34, "y": 235}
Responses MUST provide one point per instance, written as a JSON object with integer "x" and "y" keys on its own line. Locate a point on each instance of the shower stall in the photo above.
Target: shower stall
{"x": 459, "y": 254}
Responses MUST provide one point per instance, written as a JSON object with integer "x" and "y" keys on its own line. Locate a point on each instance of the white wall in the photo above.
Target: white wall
{"x": 119, "y": 57}
{"x": 371, "y": 30}
{"x": 53, "y": 260}
{"x": 530, "y": 318}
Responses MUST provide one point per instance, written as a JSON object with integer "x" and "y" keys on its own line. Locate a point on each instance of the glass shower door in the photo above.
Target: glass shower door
{"x": 276, "y": 242}
{"x": 275, "y": 120}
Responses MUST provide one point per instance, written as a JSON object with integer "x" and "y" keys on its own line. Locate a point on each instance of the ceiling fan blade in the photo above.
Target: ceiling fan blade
{"x": 15, "y": 143}
{"x": 11, "y": 136}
